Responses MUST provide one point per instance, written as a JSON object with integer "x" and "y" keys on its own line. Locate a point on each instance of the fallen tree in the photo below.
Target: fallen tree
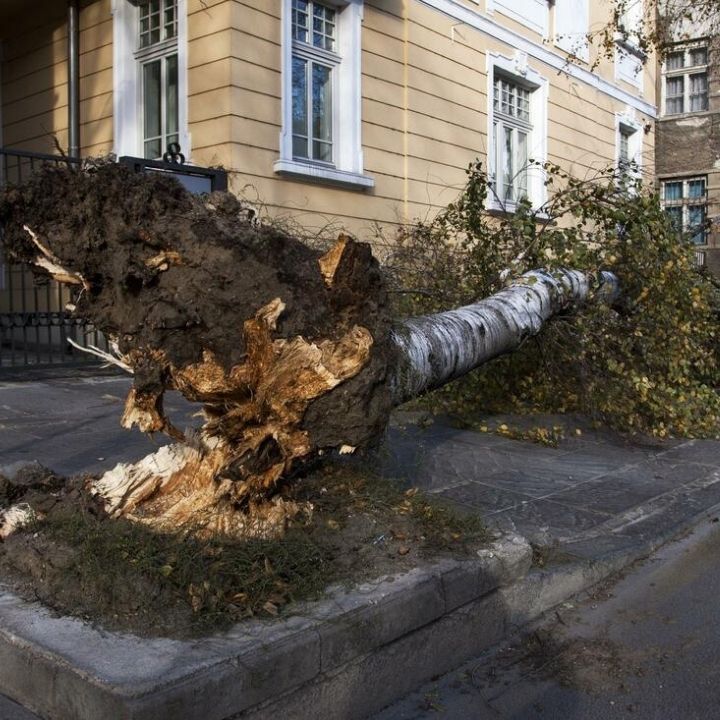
{"x": 290, "y": 352}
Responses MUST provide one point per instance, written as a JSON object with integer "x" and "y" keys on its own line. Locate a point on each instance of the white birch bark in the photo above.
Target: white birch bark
{"x": 435, "y": 349}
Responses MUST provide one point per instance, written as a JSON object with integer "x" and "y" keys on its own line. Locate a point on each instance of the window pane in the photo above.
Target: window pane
{"x": 511, "y": 99}
{"x": 696, "y": 223}
{"x": 322, "y": 151}
{"x": 698, "y": 92}
{"x": 322, "y": 112}
{"x": 299, "y": 107}
{"x": 675, "y": 215}
{"x": 697, "y": 56}
{"x": 170, "y": 19}
{"x": 673, "y": 191}
{"x": 521, "y": 161}
{"x": 675, "y": 60}
{"x": 696, "y": 188}
{"x": 300, "y": 146}
{"x": 674, "y": 106}
{"x": 172, "y": 121}
{"x": 508, "y": 171}
{"x": 624, "y": 154}
{"x": 674, "y": 89}
{"x": 496, "y": 166}
{"x": 323, "y": 27}
{"x": 153, "y": 149}
{"x": 300, "y": 20}
{"x": 523, "y": 104}
{"x": 152, "y": 94}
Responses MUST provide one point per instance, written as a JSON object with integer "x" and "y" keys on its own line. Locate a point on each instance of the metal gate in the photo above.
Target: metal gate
{"x": 34, "y": 325}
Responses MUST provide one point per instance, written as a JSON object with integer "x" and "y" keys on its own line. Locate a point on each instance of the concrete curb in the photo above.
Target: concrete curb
{"x": 344, "y": 657}
{"x": 63, "y": 668}
{"x": 373, "y": 681}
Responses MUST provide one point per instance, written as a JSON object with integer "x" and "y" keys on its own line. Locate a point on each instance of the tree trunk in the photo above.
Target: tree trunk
{"x": 290, "y": 352}
{"x": 435, "y": 349}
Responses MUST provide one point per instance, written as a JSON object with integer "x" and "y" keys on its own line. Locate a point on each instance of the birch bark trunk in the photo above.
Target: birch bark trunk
{"x": 436, "y": 349}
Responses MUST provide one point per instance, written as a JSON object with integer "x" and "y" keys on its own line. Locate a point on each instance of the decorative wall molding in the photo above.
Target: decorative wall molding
{"x": 487, "y": 26}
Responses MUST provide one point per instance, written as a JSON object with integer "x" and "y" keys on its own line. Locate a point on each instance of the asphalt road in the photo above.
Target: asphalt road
{"x": 646, "y": 647}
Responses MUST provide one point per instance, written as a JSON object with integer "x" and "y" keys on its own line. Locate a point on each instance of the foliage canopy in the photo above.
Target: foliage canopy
{"x": 647, "y": 364}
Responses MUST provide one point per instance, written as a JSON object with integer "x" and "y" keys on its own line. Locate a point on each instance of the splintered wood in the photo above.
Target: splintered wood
{"x": 252, "y": 437}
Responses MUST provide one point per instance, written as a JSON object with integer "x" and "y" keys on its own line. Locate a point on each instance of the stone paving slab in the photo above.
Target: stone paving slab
{"x": 547, "y": 494}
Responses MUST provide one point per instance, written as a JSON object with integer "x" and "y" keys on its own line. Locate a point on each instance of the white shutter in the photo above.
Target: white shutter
{"x": 572, "y": 20}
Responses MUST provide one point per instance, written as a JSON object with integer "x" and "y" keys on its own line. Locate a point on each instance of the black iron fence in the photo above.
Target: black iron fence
{"x": 35, "y": 327}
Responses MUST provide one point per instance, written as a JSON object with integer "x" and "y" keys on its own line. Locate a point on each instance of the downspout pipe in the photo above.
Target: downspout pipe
{"x": 74, "y": 78}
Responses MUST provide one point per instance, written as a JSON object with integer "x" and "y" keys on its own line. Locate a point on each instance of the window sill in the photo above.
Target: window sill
{"x": 629, "y": 46}
{"x": 685, "y": 115}
{"x": 495, "y": 209}
{"x": 323, "y": 174}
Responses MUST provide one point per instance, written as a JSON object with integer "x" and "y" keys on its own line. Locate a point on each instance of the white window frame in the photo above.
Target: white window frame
{"x": 127, "y": 80}
{"x": 685, "y": 72}
{"x": 573, "y": 41}
{"x": 517, "y": 70}
{"x": 686, "y": 201}
{"x": 626, "y": 122}
{"x": 347, "y": 166}
{"x": 536, "y": 16}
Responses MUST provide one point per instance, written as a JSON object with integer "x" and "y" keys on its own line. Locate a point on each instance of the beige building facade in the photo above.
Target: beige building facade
{"x": 335, "y": 113}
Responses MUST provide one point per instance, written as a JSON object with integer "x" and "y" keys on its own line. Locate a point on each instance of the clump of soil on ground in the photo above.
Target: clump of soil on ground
{"x": 125, "y": 576}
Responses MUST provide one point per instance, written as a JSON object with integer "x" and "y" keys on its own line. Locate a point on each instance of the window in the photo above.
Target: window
{"x": 624, "y": 157}
{"x": 572, "y": 24}
{"x": 314, "y": 62}
{"x": 685, "y": 202}
{"x": 686, "y": 80}
{"x": 150, "y": 77}
{"x": 321, "y": 130}
{"x": 629, "y": 147}
{"x": 511, "y": 129}
{"x": 157, "y": 57}
{"x": 517, "y": 132}
{"x": 629, "y": 57}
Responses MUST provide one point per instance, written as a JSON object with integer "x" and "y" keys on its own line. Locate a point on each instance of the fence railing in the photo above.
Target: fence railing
{"x": 34, "y": 325}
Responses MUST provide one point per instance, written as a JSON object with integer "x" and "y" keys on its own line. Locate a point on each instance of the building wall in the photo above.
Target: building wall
{"x": 33, "y": 83}
{"x": 424, "y": 87}
{"x": 424, "y": 102}
{"x": 689, "y": 145}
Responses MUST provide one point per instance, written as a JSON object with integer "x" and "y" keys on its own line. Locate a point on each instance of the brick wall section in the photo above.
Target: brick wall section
{"x": 690, "y": 145}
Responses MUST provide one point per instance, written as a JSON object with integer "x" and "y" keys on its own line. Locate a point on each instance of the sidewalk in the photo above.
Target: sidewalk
{"x": 596, "y": 487}
{"x": 589, "y": 507}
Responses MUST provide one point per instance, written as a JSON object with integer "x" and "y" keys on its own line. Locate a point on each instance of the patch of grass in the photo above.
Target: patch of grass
{"x": 220, "y": 580}
{"x": 127, "y": 576}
